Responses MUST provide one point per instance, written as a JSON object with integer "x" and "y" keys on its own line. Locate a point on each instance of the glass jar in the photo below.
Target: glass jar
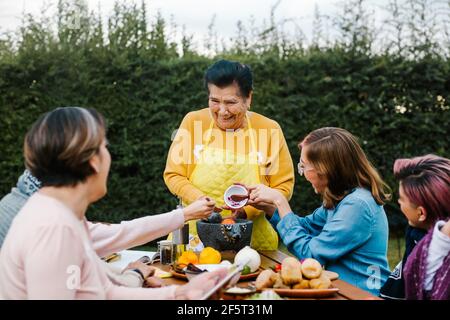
{"x": 167, "y": 251}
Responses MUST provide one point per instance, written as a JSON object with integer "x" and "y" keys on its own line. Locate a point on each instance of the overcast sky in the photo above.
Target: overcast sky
{"x": 196, "y": 15}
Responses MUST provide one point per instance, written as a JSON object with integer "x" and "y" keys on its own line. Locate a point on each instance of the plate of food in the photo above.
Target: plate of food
{"x": 192, "y": 270}
{"x": 305, "y": 279}
{"x": 306, "y": 293}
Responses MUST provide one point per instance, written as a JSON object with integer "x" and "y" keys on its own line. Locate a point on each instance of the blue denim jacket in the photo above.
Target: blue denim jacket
{"x": 350, "y": 239}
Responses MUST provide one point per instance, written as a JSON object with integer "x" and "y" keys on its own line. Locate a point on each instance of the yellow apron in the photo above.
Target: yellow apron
{"x": 217, "y": 169}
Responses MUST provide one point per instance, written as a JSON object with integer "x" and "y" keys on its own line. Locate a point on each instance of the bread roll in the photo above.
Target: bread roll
{"x": 278, "y": 284}
{"x": 311, "y": 268}
{"x": 291, "y": 271}
{"x": 265, "y": 279}
{"x": 304, "y": 284}
{"x": 323, "y": 282}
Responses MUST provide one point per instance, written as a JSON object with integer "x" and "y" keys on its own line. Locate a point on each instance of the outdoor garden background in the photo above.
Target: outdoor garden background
{"x": 386, "y": 83}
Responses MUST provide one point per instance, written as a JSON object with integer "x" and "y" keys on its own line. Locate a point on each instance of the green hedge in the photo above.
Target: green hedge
{"x": 144, "y": 101}
{"x": 144, "y": 83}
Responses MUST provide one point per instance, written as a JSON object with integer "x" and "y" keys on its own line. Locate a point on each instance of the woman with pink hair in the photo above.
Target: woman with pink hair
{"x": 424, "y": 190}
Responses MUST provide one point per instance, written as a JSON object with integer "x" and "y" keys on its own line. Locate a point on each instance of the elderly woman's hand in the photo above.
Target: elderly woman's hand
{"x": 200, "y": 285}
{"x": 199, "y": 209}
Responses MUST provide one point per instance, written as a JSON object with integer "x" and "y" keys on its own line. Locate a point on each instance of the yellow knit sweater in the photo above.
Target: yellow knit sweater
{"x": 276, "y": 167}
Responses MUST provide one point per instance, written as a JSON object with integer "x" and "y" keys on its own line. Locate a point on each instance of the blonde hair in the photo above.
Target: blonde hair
{"x": 337, "y": 156}
{"x": 60, "y": 143}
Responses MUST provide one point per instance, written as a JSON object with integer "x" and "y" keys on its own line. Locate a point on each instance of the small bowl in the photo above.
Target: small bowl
{"x": 235, "y": 189}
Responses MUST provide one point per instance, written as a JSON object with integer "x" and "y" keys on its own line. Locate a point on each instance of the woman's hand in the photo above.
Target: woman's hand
{"x": 260, "y": 193}
{"x": 146, "y": 270}
{"x": 268, "y": 208}
{"x": 268, "y": 199}
{"x": 235, "y": 213}
{"x": 153, "y": 282}
{"x": 200, "y": 285}
{"x": 199, "y": 209}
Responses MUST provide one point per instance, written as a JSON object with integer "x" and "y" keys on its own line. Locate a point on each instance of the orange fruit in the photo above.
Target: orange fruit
{"x": 186, "y": 258}
{"x": 210, "y": 255}
{"x": 228, "y": 221}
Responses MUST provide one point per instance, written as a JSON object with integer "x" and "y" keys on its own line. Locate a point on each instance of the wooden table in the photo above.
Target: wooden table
{"x": 270, "y": 258}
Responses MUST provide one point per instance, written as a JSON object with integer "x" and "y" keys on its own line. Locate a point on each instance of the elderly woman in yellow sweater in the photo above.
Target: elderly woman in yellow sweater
{"x": 226, "y": 143}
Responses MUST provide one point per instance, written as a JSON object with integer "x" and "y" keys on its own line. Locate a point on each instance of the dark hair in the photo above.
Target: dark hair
{"x": 336, "y": 154}
{"x": 60, "y": 143}
{"x": 224, "y": 73}
{"x": 426, "y": 183}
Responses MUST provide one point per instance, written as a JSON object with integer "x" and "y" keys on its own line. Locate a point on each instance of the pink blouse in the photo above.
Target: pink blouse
{"x": 50, "y": 254}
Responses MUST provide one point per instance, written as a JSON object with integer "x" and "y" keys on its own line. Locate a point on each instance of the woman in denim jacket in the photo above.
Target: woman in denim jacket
{"x": 348, "y": 233}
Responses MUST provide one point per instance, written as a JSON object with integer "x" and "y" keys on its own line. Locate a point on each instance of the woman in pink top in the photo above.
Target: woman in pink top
{"x": 48, "y": 252}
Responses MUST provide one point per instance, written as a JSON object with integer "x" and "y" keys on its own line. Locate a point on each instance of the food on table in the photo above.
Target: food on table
{"x": 311, "y": 268}
{"x": 238, "y": 197}
{"x": 279, "y": 282}
{"x": 266, "y": 279}
{"x": 246, "y": 270}
{"x": 228, "y": 221}
{"x": 159, "y": 273}
{"x": 248, "y": 256}
{"x": 186, "y": 258}
{"x": 266, "y": 295}
{"x": 304, "y": 284}
{"x": 330, "y": 274}
{"x": 291, "y": 271}
{"x": 112, "y": 257}
{"x": 210, "y": 256}
{"x": 233, "y": 202}
{"x": 323, "y": 282}
{"x": 192, "y": 271}
{"x": 193, "y": 268}
{"x": 239, "y": 290}
{"x": 215, "y": 217}
{"x": 289, "y": 276}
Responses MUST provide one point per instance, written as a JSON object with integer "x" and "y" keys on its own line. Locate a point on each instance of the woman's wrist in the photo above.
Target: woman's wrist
{"x": 186, "y": 214}
{"x": 282, "y": 205}
{"x": 270, "y": 210}
{"x": 139, "y": 272}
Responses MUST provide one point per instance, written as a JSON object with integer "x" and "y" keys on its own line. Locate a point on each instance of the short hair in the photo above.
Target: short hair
{"x": 426, "y": 182}
{"x": 336, "y": 154}
{"x": 224, "y": 73}
{"x": 59, "y": 145}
